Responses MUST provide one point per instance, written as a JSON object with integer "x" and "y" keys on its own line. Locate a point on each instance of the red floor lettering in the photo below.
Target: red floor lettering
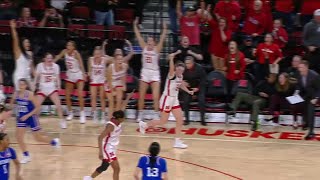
{"x": 291, "y": 136}
{"x": 267, "y": 135}
{"x": 237, "y": 133}
{"x": 156, "y": 130}
{"x": 203, "y": 132}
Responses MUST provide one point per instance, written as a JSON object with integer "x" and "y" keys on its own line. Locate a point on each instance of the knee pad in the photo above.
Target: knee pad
{"x": 104, "y": 166}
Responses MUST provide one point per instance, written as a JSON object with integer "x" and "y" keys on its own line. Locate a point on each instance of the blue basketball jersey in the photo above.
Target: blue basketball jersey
{"x": 154, "y": 172}
{"x": 5, "y": 158}
{"x": 24, "y": 105}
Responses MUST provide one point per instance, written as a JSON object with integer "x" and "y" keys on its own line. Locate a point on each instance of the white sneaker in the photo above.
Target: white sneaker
{"x": 142, "y": 127}
{"x": 82, "y": 117}
{"x": 70, "y": 116}
{"x": 25, "y": 159}
{"x": 95, "y": 117}
{"x": 179, "y": 144}
{"x": 58, "y": 145}
{"x": 140, "y": 116}
{"x": 63, "y": 124}
{"x": 87, "y": 178}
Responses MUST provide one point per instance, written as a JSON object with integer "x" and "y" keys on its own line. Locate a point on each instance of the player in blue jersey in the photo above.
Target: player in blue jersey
{"x": 152, "y": 166}
{"x": 6, "y": 155}
{"x": 27, "y": 109}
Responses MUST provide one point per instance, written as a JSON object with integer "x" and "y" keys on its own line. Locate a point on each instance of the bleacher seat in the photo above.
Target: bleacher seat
{"x": 216, "y": 88}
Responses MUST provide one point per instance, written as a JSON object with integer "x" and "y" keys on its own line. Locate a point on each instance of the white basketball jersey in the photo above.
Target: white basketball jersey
{"x": 98, "y": 71}
{"x": 150, "y": 59}
{"x": 172, "y": 86}
{"x": 117, "y": 76}
{"x": 72, "y": 63}
{"x": 23, "y": 69}
{"x": 48, "y": 74}
{"x": 114, "y": 137}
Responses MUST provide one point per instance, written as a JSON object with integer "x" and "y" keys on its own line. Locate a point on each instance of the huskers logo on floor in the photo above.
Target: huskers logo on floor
{"x": 232, "y": 133}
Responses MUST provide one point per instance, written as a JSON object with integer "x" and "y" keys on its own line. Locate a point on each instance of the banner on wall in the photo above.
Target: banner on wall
{"x": 241, "y": 118}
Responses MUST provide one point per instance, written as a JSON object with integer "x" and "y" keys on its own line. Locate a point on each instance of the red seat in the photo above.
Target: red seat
{"x": 82, "y": 12}
{"x": 96, "y": 31}
{"x": 5, "y": 27}
{"x": 124, "y": 15}
{"x": 116, "y": 32}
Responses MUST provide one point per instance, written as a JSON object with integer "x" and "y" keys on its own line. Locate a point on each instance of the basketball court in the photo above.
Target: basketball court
{"x": 216, "y": 152}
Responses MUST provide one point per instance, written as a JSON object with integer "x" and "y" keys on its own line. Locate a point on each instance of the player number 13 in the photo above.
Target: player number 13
{"x": 152, "y": 172}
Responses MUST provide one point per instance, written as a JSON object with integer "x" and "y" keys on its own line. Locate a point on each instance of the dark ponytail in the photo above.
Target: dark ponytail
{"x": 154, "y": 150}
{"x": 118, "y": 114}
{"x": 2, "y": 136}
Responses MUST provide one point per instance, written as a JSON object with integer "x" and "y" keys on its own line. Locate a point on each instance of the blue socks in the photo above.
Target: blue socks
{"x": 26, "y": 153}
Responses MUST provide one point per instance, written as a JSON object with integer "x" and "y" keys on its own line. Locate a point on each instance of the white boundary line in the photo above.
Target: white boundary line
{"x": 197, "y": 139}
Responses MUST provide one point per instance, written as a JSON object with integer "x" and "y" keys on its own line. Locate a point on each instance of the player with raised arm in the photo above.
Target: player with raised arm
{"x": 150, "y": 72}
{"x": 169, "y": 100}
{"x": 108, "y": 141}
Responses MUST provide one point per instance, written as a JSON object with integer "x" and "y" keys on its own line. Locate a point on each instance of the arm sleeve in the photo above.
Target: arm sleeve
{"x": 305, "y": 36}
{"x": 141, "y": 163}
{"x": 13, "y": 154}
{"x": 164, "y": 166}
{"x": 242, "y": 63}
{"x": 203, "y": 78}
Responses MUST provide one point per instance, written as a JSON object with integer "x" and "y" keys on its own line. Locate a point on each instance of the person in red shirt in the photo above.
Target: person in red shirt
{"x": 249, "y": 5}
{"x": 234, "y": 66}
{"x": 255, "y": 22}
{"x": 279, "y": 34}
{"x": 268, "y": 56}
{"x": 190, "y": 25}
{"x": 307, "y": 9}
{"x": 26, "y": 20}
{"x": 230, "y": 10}
{"x": 284, "y": 11}
{"x": 218, "y": 47}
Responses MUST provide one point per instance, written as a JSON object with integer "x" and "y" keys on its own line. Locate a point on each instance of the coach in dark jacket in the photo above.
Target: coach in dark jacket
{"x": 195, "y": 79}
{"x": 308, "y": 87}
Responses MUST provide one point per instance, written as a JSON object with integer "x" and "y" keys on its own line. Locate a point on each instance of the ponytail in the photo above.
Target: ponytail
{"x": 154, "y": 150}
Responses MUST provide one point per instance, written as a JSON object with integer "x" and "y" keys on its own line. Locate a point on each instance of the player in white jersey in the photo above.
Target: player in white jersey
{"x": 116, "y": 81}
{"x": 150, "y": 72}
{"x": 75, "y": 76}
{"x": 23, "y": 55}
{"x": 47, "y": 77}
{"x": 97, "y": 65}
{"x": 108, "y": 141}
{"x": 169, "y": 100}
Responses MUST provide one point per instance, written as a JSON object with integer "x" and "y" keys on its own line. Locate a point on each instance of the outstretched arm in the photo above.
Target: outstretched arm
{"x": 141, "y": 42}
{"x": 162, "y": 37}
{"x": 171, "y": 66}
{"x": 129, "y": 56}
{"x": 59, "y": 56}
{"x": 15, "y": 39}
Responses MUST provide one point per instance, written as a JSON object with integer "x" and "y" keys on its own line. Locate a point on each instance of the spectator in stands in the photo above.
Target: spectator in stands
{"x": 284, "y": 11}
{"x": 195, "y": 79}
{"x": 234, "y": 67}
{"x": 307, "y": 8}
{"x": 249, "y": 50}
{"x": 229, "y": 10}
{"x": 172, "y": 10}
{"x": 51, "y": 18}
{"x": 220, "y": 36}
{"x": 190, "y": 25}
{"x": 103, "y": 11}
{"x": 258, "y": 100}
{"x": 59, "y": 4}
{"x": 38, "y": 7}
{"x": 311, "y": 40}
{"x": 187, "y": 50}
{"x": 255, "y": 22}
{"x": 278, "y": 101}
{"x": 308, "y": 88}
{"x": 293, "y": 70}
{"x": 25, "y": 19}
{"x": 8, "y": 9}
{"x": 268, "y": 56}
{"x": 279, "y": 34}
